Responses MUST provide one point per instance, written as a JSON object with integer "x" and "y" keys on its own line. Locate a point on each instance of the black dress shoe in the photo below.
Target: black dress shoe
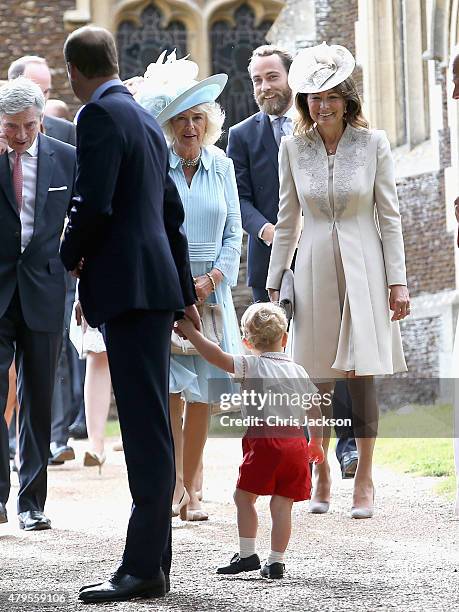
{"x": 78, "y": 431}
{"x": 349, "y": 463}
{"x": 33, "y": 520}
{"x": 3, "y": 514}
{"x": 117, "y": 575}
{"x": 240, "y": 564}
{"x": 122, "y": 587}
{"x": 60, "y": 453}
{"x": 274, "y": 570}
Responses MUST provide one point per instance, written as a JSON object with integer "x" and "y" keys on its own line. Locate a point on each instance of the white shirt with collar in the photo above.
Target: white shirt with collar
{"x": 29, "y": 161}
{"x": 290, "y": 115}
{"x": 288, "y": 130}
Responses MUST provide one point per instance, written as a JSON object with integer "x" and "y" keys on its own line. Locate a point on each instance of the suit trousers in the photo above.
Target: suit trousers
{"x": 36, "y": 359}
{"x": 260, "y": 294}
{"x": 138, "y": 349}
{"x": 68, "y": 391}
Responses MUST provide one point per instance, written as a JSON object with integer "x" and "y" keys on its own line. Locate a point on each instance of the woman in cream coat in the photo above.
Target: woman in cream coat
{"x": 350, "y": 268}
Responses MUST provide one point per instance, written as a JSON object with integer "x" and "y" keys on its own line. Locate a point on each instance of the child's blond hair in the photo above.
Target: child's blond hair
{"x": 263, "y": 324}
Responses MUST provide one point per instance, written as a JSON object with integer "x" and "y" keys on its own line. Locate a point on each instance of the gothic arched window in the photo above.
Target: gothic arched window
{"x": 138, "y": 46}
{"x": 232, "y": 48}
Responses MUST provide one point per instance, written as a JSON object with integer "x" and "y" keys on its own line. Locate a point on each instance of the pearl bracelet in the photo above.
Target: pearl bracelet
{"x": 214, "y": 286}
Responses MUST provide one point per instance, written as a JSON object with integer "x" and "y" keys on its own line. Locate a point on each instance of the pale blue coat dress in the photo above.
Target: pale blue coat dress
{"x": 214, "y": 230}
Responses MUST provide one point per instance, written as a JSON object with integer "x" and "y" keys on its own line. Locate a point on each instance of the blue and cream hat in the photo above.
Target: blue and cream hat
{"x": 170, "y": 87}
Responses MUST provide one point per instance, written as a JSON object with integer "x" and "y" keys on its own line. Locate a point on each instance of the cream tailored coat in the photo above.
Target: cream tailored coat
{"x": 366, "y": 217}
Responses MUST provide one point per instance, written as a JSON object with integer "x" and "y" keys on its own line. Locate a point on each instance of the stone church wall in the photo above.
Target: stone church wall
{"x": 36, "y": 27}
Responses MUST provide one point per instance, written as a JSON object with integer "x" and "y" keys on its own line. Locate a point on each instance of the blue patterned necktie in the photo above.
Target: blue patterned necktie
{"x": 280, "y": 128}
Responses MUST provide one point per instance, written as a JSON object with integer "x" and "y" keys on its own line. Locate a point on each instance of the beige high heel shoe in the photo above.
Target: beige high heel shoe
{"x": 363, "y": 512}
{"x": 92, "y": 459}
{"x": 193, "y": 515}
{"x": 183, "y": 503}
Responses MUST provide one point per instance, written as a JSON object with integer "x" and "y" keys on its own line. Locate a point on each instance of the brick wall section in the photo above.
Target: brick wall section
{"x": 429, "y": 247}
{"x": 335, "y": 24}
{"x": 420, "y": 385}
{"x": 36, "y": 27}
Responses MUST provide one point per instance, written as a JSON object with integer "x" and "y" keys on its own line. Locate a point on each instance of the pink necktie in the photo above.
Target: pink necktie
{"x": 18, "y": 179}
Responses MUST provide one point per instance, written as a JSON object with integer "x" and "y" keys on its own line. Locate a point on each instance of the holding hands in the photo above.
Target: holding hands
{"x": 188, "y": 327}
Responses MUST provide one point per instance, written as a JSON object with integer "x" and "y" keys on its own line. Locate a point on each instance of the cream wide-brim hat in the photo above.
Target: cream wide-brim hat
{"x": 320, "y": 68}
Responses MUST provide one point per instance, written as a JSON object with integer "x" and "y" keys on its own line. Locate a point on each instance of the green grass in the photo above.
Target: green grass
{"x": 112, "y": 429}
{"x": 407, "y": 444}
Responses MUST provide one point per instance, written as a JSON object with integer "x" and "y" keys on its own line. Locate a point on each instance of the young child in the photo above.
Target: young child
{"x": 276, "y": 459}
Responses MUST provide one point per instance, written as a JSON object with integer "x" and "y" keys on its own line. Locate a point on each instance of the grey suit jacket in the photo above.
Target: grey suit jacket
{"x": 60, "y": 129}
{"x": 37, "y": 273}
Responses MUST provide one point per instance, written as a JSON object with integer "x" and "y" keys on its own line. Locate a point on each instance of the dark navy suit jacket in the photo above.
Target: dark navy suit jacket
{"x": 37, "y": 272}
{"x": 254, "y": 151}
{"x": 126, "y": 221}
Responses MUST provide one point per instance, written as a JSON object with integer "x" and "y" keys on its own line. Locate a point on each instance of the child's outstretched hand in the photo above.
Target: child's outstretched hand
{"x": 186, "y": 327}
{"x": 315, "y": 451}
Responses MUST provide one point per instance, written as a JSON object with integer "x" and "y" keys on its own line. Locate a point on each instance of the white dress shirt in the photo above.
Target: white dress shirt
{"x": 29, "y": 161}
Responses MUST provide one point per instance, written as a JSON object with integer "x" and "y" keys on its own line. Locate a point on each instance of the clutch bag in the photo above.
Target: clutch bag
{"x": 287, "y": 294}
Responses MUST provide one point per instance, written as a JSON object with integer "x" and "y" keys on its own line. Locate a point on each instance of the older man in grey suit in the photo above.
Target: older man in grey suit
{"x": 68, "y": 394}
{"x": 37, "y": 175}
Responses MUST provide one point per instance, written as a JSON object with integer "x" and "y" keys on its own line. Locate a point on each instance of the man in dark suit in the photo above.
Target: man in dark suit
{"x": 36, "y": 182}
{"x": 70, "y": 370}
{"x": 125, "y": 241}
{"x": 253, "y": 146}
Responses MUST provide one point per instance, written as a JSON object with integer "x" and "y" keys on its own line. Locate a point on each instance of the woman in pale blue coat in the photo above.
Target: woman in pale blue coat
{"x": 192, "y": 122}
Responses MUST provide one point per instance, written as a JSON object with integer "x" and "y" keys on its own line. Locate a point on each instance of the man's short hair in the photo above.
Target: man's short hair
{"x": 93, "y": 51}
{"x": 18, "y": 67}
{"x": 20, "y": 94}
{"x": 268, "y": 50}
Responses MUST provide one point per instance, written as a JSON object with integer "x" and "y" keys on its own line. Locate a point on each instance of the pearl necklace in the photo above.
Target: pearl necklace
{"x": 189, "y": 163}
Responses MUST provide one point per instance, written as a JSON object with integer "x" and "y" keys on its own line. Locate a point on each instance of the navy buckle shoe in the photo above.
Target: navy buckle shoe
{"x": 240, "y": 564}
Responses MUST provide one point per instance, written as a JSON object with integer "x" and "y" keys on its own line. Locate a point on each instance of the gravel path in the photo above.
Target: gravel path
{"x": 405, "y": 558}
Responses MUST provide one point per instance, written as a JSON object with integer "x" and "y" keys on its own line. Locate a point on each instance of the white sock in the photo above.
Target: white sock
{"x": 275, "y": 557}
{"x": 246, "y": 547}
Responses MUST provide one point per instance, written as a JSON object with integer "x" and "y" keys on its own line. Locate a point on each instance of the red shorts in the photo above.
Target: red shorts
{"x": 275, "y": 466}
